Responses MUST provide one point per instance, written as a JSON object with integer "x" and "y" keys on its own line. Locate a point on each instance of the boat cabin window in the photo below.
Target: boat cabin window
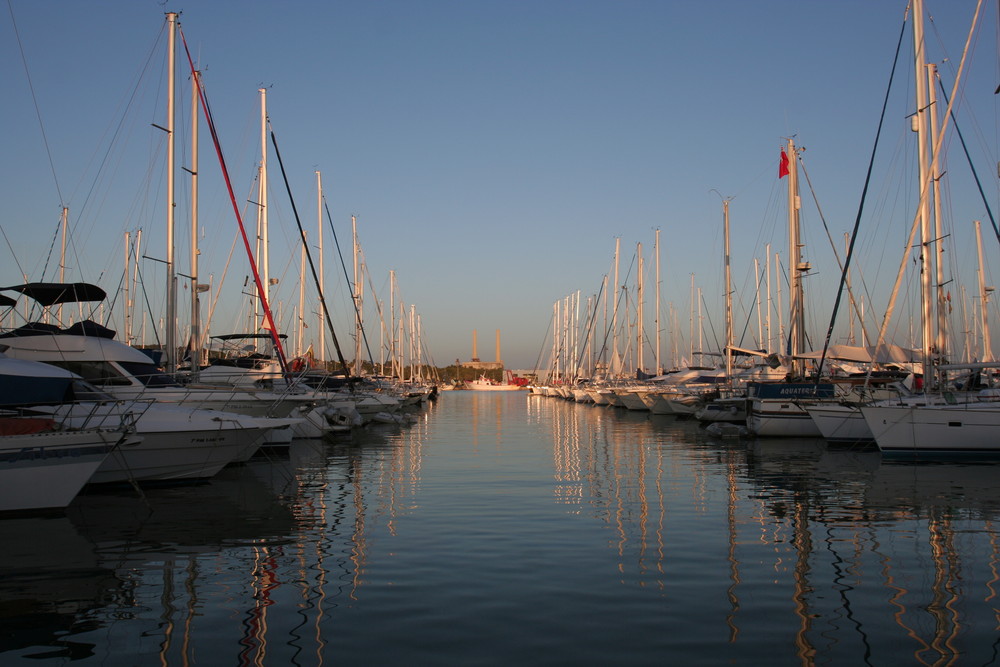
{"x": 99, "y": 373}
{"x": 148, "y": 374}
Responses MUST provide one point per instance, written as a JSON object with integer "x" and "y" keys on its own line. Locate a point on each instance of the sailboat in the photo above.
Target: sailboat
{"x": 841, "y": 422}
{"x": 775, "y": 408}
{"x": 726, "y": 403}
{"x": 940, "y": 422}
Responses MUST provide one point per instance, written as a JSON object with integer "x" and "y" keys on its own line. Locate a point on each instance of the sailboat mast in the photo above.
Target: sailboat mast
{"x": 920, "y": 220}
{"x": 170, "y": 337}
{"x": 937, "y": 251}
{"x": 701, "y": 332}
{"x": 322, "y": 276}
{"x": 656, "y": 315}
{"x": 674, "y": 328}
{"x": 640, "y": 299}
{"x": 847, "y": 283}
{"x": 781, "y": 314}
{"x": 769, "y": 347}
{"x": 796, "y": 296}
{"x": 760, "y": 322}
{"x": 397, "y": 339}
{"x": 603, "y": 354}
{"x": 691, "y": 324}
{"x": 260, "y": 249}
{"x": 557, "y": 339}
{"x": 64, "y": 224}
{"x": 614, "y": 314}
{"x": 125, "y": 289}
{"x": 729, "y": 292}
{"x": 195, "y": 344}
{"x": 592, "y": 306}
{"x": 264, "y": 258}
{"x": 392, "y": 321}
{"x": 413, "y": 335}
{"x": 357, "y": 299}
{"x": 567, "y": 340}
{"x": 919, "y": 125}
{"x": 579, "y": 337}
{"x": 300, "y": 337}
{"x": 134, "y": 277}
{"x": 420, "y": 351}
{"x": 381, "y": 339}
{"x": 984, "y": 298}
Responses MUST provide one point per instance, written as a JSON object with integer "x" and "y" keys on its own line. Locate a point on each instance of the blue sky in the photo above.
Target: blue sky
{"x": 491, "y": 151}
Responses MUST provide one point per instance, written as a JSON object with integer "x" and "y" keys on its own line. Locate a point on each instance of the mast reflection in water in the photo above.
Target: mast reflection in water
{"x": 503, "y": 527}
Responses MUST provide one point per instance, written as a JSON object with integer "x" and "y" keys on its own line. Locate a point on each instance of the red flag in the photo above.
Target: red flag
{"x": 783, "y": 165}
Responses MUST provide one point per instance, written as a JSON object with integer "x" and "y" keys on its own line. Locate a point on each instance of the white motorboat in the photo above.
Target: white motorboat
{"x": 43, "y": 463}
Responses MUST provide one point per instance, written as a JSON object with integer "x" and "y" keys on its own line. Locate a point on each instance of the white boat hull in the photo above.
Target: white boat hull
{"x": 776, "y": 418}
{"x": 657, "y": 403}
{"x": 188, "y": 455}
{"x": 485, "y": 386}
{"x": 177, "y": 443}
{"x": 631, "y": 400}
{"x": 841, "y": 424}
{"x": 935, "y": 430}
{"x": 47, "y": 470}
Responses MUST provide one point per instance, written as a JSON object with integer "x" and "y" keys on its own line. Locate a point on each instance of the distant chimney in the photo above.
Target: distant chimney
{"x": 475, "y": 355}
{"x": 498, "y": 346}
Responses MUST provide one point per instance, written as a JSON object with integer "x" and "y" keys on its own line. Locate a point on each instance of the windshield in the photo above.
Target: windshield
{"x": 84, "y": 391}
{"x": 148, "y": 374}
{"x": 100, "y": 373}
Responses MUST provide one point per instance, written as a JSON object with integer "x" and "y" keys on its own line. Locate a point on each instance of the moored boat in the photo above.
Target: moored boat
{"x": 928, "y": 431}
{"x": 485, "y": 384}
{"x": 777, "y": 409}
{"x": 43, "y": 463}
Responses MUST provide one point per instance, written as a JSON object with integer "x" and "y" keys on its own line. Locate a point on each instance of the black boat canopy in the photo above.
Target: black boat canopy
{"x": 249, "y": 336}
{"x": 48, "y": 294}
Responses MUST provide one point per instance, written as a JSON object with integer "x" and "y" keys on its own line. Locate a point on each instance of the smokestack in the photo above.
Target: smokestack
{"x": 474, "y": 355}
{"x": 498, "y": 346}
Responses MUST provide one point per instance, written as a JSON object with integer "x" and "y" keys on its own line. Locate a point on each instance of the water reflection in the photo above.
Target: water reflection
{"x": 850, "y": 542}
{"x": 622, "y": 468}
{"x": 870, "y": 540}
{"x": 43, "y": 592}
{"x": 505, "y": 528}
{"x": 254, "y": 558}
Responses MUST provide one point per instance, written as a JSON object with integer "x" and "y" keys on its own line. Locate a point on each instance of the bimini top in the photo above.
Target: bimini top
{"x": 48, "y": 294}
{"x": 248, "y": 336}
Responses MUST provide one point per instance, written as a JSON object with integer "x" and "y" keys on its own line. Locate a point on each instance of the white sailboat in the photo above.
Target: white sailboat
{"x": 935, "y": 429}
{"x": 943, "y": 423}
{"x": 776, "y": 409}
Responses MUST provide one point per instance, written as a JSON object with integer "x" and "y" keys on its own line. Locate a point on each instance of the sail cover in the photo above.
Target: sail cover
{"x": 885, "y": 353}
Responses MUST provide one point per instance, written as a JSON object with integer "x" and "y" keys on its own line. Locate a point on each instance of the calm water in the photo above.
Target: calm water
{"x": 503, "y": 528}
